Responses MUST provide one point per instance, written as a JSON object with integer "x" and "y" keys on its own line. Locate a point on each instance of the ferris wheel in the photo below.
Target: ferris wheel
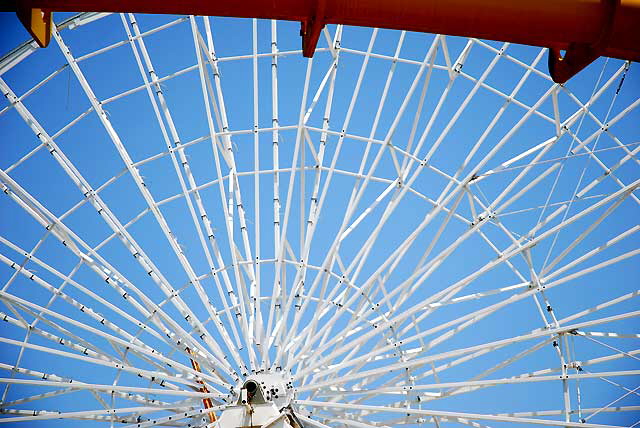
{"x": 202, "y": 227}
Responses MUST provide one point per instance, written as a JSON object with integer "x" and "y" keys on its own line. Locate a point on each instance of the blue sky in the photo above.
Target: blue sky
{"x": 90, "y": 148}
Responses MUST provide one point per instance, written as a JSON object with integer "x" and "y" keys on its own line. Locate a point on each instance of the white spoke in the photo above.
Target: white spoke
{"x": 202, "y": 227}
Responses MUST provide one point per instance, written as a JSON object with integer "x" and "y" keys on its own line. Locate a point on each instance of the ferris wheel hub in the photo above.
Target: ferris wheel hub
{"x": 263, "y": 399}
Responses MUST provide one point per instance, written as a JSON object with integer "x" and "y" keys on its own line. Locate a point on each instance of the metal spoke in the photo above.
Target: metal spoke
{"x": 388, "y": 233}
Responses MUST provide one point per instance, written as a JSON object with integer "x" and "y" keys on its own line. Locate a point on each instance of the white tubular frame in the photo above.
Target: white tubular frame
{"x": 400, "y": 230}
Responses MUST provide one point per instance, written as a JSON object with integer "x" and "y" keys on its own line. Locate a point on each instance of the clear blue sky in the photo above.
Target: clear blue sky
{"x": 89, "y": 147}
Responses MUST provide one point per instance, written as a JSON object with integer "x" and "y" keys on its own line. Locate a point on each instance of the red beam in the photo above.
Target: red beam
{"x": 586, "y": 29}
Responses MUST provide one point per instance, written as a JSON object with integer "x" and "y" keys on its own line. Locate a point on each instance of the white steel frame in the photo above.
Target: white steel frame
{"x": 359, "y": 332}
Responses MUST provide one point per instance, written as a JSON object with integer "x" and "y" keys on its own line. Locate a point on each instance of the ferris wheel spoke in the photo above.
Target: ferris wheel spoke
{"x": 608, "y": 171}
{"x": 37, "y": 397}
{"x": 275, "y": 158}
{"x": 403, "y": 292}
{"x": 464, "y": 321}
{"x": 506, "y": 362}
{"x": 512, "y": 96}
{"x": 580, "y": 238}
{"x": 392, "y": 346}
{"x": 256, "y": 290}
{"x": 419, "y": 109}
{"x": 533, "y": 183}
{"x": 402, "y": 289}
{"x": 461, "y": 351}
{"x": 512, "y": 251}
{"x": 68, "y": 279}
{"x": 179, "y": 416}
{"x": 584, "y": 411}
{"x": 330, "y": 257}
{"x": 469, "y": 318}
{"x": 601, "y": 125}
{"x": 104, "y": 270}
{"x": 239, "y": 295}
{"x": 99, "y": 414}
{"x": 405, "y": 389}
{"x": 510, "y": 201}
{"x": 610, "y": 404}
{"x": 462, "y": 107}
{"x": 306, "y": 234}
{"x": 360, "y": 186}
{"x": 589, "y": 336}
{"x": 493, "y": 369}
{"x": 601, "y": 306}
{"x": 315, "y": 210}
{"x": 437, "y": 420}
{"x": 85, "y": 348}
{"x": 27, "y": 256}
{"x": 541, "y": 413}
{"x": 97, "y": 361}
{"x": 275, "y": 338}
{"x": 437, "y": 245}
{"x": 153, "y": 271}
{"x": 609, "y": 334}
{"x": 628, "y": 391}
{"x": 32, "y": 90}
{"x": 148, "y": 69}
{"x": 468, "y": 386}
{"x": 312, "y": 422}
{"x": 144, "y": 351}
{"x": 80, "y": 344}
{"x": 604, "y": 127}
{"x": 73, "y": 385}
{"x": 468, "y": 416}
{"x": 434, "y": 371}
{"x": 345, "y": 422}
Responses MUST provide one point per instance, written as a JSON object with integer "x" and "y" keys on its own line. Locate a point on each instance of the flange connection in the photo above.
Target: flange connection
{"x": 263, "y": 399}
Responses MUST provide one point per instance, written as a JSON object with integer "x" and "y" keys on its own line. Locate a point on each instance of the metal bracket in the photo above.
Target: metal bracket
{"x": 310, "y": 29}
{"x": 37, "y": 22}
{"x": 580, "y": 55}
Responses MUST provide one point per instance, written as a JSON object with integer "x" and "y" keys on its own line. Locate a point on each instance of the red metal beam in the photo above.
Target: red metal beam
{"x": 207, "y": 402}
{"x": 37, "y": 22}
{"x": 585, "y": 29}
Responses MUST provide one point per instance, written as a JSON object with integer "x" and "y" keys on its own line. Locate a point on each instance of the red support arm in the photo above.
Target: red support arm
{"x": 585, "y": 29}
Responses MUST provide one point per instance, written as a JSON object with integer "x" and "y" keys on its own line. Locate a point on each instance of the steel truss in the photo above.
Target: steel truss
{"x": 350, "y": 228}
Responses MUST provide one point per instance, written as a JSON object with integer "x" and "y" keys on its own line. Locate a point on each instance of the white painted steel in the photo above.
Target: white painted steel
{"x": 403, "y": 230}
